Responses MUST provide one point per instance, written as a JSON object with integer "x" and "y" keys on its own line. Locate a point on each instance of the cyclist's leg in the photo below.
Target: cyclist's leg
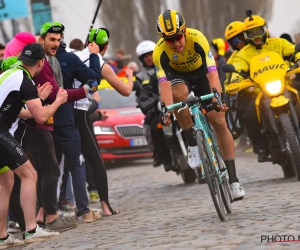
{"x": 181, "y": 89}
{"x": 224, "y": 137}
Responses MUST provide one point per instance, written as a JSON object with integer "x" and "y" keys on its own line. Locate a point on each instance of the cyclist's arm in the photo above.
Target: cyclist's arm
{"x": 115, "y": 82}
{"x": 161, "y": 61}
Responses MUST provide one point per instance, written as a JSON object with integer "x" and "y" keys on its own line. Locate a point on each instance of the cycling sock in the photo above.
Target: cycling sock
{"x": 189, "y": 135}
{"x": 230, "y": 165}
{"x": 4, "y": 238}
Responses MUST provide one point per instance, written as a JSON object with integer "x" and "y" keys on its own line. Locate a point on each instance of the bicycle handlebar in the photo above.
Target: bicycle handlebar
{"x": 196, "y": 99}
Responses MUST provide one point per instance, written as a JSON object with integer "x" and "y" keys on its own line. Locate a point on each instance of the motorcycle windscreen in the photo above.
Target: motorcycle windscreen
{"x": 267, "y": 67}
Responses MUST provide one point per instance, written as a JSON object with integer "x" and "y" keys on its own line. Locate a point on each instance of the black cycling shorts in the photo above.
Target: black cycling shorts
{"x": 196, "y": 81}
{"x": 11, "y": 153}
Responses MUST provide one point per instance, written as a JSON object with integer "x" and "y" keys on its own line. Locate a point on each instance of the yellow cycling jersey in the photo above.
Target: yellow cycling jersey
{"x": 230, "y": 61}
{"x": 242, "y": 59}
{"x": 196, "y": 53}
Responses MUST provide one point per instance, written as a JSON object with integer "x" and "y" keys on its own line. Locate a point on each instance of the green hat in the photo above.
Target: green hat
{"x": 54, "y": 27}
{"x": 99, "y": 36}
{"x": 9, "y": 63}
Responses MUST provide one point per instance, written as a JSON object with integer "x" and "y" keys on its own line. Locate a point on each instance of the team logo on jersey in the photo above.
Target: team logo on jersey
{"x": 175, "y": 57}
{"x": 210, "y": 55}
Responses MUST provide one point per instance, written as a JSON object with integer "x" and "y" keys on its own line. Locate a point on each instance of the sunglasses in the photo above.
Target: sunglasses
{"x": 174, "y": 39}
{"x": 236, "y": 40}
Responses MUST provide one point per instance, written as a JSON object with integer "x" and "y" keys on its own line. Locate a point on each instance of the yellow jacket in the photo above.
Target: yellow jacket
{"x": 242, "y": 59}
{"x": 229, "y": 61}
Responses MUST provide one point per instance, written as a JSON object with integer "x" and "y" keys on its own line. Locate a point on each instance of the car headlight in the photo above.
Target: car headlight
{"x": 274, "y": 88}
{"x": 103, "y": 130}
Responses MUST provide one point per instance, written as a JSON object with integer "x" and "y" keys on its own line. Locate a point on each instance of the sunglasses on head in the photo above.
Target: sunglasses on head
{"x": 174, "y": 39}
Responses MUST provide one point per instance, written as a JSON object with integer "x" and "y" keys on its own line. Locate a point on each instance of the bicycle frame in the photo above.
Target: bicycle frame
{"x": 200, "y": 123}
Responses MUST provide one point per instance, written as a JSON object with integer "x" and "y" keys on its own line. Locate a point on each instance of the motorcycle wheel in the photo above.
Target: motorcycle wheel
{"x": 231, "y": 117}
{"x": 292, "y": 142}
{"x": 188, "y": 176}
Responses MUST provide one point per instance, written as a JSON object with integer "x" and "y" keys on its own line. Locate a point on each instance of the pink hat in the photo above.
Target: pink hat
{"x": 18, "y": 43}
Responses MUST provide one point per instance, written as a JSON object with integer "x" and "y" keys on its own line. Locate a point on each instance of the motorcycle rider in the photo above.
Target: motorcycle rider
{"x": 256, "y": 34}
{"x": 148, "y": 100}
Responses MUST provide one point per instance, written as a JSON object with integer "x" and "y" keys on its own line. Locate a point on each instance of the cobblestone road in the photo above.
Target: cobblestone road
{"x": 160, "y": 212}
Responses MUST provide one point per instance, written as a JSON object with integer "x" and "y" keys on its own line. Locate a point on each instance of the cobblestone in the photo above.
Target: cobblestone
{"x": 159, "y": 212}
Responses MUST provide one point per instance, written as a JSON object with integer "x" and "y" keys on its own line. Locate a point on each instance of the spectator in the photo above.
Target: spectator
{"x": 220, "y": 47}
{"x": 2, "y": 48}
{"x": 297, "y": 38}
{"x": 134, "y": 67}
{"x": 66, "y": 136}
{"x": 76, "y": 44}
{"x": 15, "y": 46}
{"x": 287, "y": 37}
{"x": 90, "y": 148}
{"x": 121, "y": 57}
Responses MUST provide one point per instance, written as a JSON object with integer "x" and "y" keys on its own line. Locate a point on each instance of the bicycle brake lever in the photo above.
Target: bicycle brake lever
{"x": 185, "y": 106}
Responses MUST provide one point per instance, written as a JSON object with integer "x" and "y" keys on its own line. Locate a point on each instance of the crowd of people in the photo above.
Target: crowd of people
{"x": 49, "y": 100}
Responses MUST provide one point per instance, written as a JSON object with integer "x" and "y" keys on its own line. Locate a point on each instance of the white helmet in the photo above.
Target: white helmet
{"x": 145, "y": 47}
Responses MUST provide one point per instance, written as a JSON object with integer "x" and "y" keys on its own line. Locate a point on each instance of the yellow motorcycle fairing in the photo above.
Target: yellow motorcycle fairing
{"x": 269, "y": 70}
{"x": 279, "y": 101}
{"x": 234, "y": 88}
{"x": 257, "y": 101}
{"x": 295, "y": 91}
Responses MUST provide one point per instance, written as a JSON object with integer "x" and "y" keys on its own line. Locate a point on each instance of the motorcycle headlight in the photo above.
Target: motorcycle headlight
{"x": 103, "y": 130}
{"x": 274, "y": 88}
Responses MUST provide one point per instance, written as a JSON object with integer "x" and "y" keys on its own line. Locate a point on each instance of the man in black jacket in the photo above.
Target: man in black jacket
{"x": 148, "y": 100}
{"x": 66, "y": 136}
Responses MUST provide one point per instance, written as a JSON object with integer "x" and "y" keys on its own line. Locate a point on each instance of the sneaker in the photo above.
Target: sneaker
{"x": 13, "y": 227}
{"x": 61, "y": 224}
{"x": 67, "y": 208}
{"x": 91, "y": 216}
{"x": 94, "y": 197}
{"x": 39, "y": 235}
{"x": 193, "y": 157}
{"x": 238, "y": 192}
{"x": 11, "y": 241}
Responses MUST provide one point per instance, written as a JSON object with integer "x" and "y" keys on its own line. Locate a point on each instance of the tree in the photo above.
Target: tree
{"x": 131, "y": 21}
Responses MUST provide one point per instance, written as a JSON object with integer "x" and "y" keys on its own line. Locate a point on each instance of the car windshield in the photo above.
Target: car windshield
{"x": 112, "y": 99}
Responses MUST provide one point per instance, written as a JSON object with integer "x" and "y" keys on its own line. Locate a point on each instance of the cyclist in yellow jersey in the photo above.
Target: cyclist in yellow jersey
{"x": 256, "y": 33}
{"x": 184, "y": 63}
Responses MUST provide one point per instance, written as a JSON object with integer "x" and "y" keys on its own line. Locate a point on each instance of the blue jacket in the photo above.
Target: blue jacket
{"x": 72, "y": 67}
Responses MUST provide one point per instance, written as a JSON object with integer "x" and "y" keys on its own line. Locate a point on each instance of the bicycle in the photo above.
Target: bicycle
{"x": 212, "y": 166}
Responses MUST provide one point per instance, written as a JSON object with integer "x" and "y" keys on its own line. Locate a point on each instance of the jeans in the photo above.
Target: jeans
{"x": 67, "y": 142}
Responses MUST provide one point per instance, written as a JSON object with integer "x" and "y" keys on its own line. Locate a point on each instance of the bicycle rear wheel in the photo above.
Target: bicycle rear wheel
{"x": 225, "y": 187}
{"x": 211, "y": 176}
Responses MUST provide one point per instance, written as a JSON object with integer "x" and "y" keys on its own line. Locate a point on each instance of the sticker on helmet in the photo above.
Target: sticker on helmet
{"x": 158, "y": 23}
{"x": 175, "y": 57}
{"x": 210, "y": 55}
{"x": 177, "y": 21}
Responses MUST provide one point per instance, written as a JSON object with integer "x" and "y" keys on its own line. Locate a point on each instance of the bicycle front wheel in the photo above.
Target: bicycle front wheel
{"x": 211, "y": 176}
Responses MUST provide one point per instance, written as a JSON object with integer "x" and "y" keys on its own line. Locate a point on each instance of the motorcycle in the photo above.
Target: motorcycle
{"x": 277, "y": 107}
